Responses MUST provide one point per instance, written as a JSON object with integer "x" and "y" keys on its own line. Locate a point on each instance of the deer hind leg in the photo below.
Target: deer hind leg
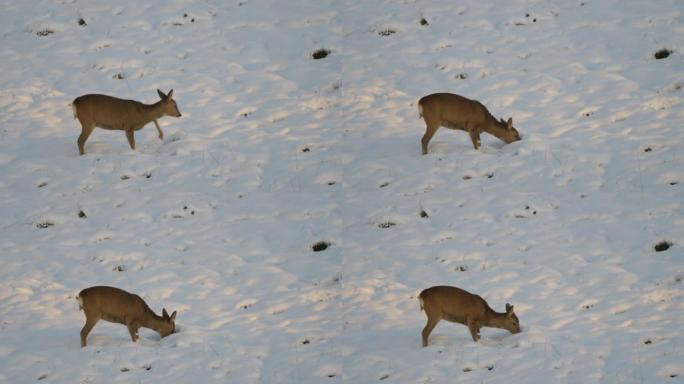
{"x": 86, "y": 130}
{"x": 429, "y": 326}
{"x": 90, "y": 323}
{"x": 131, "y": 138}
{"x": 430, "y": 129}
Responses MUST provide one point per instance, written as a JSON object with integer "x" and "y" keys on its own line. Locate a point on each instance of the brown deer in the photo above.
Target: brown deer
{"x": 459, "y": 306}
{"x": 118, "y": 306}
{"x": 457, "y": 112}
{"x": 112, "y": 113}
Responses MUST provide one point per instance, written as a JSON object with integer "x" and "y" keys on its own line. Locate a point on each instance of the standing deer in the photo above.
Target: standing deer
{"x": 459, "y": 306}
{"x": 118, "y": 306}
{"x": 112, "y": 113}
{"x": 457, "y": 112}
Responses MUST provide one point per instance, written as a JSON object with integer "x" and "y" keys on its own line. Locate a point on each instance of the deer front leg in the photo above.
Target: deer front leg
{"x": 474, "y": 330}
{"x": 161, "y": 134}
{"x": 475, "y": 137}
{"x": 133, "y": 330}
{"x": 131, "y": 138}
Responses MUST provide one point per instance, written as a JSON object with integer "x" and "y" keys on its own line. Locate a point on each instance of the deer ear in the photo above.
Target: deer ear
{"x": 173, "y": 316}
{"x": 509, "y": 123}
{"x": 164, "y": 314}
{"x": 509, "y": 310}
{"x": 170, "y": 94}
{"x": 161, "y": 94}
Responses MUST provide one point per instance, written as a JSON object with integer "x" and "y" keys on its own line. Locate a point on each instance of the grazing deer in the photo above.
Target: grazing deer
{"x": 118, "y": 306}
{"x": 457, "y": 112}
{"x": 112, "y": 113}
{"x": 459, "y": 306}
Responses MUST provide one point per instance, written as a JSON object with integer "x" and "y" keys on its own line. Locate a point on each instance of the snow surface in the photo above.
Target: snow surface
{"x": 276, "y": 152}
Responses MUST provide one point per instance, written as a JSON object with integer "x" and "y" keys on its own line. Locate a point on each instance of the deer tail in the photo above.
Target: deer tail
{"x": 80, "y": 302}
{"x": 422, "y": 304}
{"x": 420, "y": 110}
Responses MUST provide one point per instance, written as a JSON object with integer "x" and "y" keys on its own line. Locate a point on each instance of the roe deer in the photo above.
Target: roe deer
{"x": 112, "y": 113}
{"x": 118, "y": 306}
{"x": 457, "y": 112}
{"x": 459, "y": 306}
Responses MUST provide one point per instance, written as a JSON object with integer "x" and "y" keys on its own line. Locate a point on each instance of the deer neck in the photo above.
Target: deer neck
{"x": 495, "y": 128}
{"x": 152, "y": 321}
{"x": 496, "y": 319}
{"x": 152, "y": 111}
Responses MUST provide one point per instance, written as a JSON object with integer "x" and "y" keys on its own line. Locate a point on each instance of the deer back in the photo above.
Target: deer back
{"x": 452, "y": 111}
{"x": 112, "y": 304}
{"x": 458, "y": 112}
{"x": 452, "y": 303}
{"x": 109, "y": 112}
{"x": 112, "y": 113}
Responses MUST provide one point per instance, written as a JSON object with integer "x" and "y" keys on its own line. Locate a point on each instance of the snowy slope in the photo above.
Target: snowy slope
{"x": 276, "y": 152}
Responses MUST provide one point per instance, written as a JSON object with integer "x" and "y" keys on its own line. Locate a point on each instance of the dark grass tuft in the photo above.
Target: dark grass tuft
{"x": 45, "y": 32}
{"x": 320, "y": 246}
{"x": 662, "y": 54}
{"x": 320, "y": 53}
{"x": 662, "y": 246}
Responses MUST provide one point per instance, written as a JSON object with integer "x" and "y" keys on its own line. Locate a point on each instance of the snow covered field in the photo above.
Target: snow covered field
{"x": 276, "y": 152}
